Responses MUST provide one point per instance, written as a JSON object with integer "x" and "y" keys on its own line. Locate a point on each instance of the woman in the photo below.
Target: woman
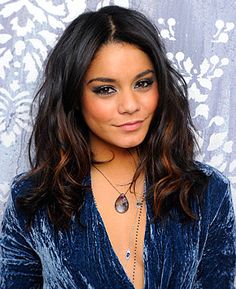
{"x": 114, "y": 198}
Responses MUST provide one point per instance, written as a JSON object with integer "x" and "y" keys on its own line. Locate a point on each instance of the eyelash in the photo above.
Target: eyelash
{"x": 147, "y": 82}
{"x": 104, "y": 89}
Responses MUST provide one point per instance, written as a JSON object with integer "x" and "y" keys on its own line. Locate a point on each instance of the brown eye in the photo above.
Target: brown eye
{"x": 103, "y": 90}
{"x": 144, "y": 83}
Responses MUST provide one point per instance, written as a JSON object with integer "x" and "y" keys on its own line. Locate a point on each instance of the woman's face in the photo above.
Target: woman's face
{"x": 120, "y": 96}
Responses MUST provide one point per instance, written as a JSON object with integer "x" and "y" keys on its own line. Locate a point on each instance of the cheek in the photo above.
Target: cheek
{"x": 152, "y": 100}
{"x": 95, "y": 111}
{"x": 156, "y": 96}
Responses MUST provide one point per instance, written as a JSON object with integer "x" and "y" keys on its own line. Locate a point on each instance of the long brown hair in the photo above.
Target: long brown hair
{"x": 62, "y": 156}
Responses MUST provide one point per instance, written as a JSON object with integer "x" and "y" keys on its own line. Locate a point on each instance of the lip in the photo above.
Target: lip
{"x": 131, "y": 126}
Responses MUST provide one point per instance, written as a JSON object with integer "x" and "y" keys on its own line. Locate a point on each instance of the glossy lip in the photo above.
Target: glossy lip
{"x": 131, "y": 126}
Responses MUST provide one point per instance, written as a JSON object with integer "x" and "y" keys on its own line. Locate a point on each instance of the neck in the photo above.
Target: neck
{"x": 111, "y": 156}
{"x": 118, "y": 164}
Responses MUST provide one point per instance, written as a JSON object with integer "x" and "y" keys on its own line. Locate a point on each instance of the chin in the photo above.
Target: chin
{"x": 131, "y": 144}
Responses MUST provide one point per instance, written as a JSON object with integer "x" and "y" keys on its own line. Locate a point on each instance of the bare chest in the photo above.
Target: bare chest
{"x": 125, "y": 232}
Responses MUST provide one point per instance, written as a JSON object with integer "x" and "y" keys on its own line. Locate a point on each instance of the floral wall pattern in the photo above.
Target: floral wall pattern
{"x": 200, "y": 40}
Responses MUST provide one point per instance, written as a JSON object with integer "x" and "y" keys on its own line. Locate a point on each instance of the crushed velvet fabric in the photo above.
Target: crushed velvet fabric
{"x": 193, "y": 255}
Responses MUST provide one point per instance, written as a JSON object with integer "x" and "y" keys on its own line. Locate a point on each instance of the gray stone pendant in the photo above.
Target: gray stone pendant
{"x": 122, "y": 204}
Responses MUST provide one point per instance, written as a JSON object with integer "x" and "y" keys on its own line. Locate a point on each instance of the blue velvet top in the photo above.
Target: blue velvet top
{"x": 198, "y": 254}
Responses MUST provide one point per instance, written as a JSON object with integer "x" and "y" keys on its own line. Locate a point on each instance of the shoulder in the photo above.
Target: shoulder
{"x": 19, "y": 187}
{"x": 21, "y": 184}
{"x": 217, "y": 193}
{"x": 213, "y": 174}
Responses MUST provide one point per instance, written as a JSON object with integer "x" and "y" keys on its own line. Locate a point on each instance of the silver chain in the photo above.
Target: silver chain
{"x": 110, "y": 181}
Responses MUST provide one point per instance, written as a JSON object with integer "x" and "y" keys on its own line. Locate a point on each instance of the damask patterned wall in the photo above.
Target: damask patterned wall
{"x": 200, "y": 39}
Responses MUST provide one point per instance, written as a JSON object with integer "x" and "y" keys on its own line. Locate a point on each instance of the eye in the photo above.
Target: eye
{"x": 103, "y": 90}
{"x": 145, "y": 83}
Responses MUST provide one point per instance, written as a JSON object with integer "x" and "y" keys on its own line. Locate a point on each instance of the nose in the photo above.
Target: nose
{"x": 128, "y": 102}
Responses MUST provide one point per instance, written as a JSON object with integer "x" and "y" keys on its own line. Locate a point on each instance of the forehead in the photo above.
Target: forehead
{"x": 119, "y": 59}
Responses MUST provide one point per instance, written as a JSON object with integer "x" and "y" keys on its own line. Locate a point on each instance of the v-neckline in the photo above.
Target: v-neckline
{"x": 113, "y": 253}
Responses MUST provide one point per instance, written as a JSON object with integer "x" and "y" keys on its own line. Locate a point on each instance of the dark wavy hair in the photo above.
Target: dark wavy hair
{"x": 62, "y": 157}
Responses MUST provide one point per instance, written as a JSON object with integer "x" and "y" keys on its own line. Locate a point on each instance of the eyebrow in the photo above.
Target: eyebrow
{"x": 111, "y": 80}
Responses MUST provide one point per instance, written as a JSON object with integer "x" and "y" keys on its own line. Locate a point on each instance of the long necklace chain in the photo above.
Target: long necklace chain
{"x": 128, "y": 252}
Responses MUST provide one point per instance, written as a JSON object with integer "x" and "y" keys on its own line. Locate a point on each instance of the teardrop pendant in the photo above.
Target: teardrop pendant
{"x": 121, "y": 204}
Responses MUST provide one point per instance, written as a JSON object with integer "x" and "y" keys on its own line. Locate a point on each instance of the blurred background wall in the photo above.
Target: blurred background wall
{"x": 200, "y": 40}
